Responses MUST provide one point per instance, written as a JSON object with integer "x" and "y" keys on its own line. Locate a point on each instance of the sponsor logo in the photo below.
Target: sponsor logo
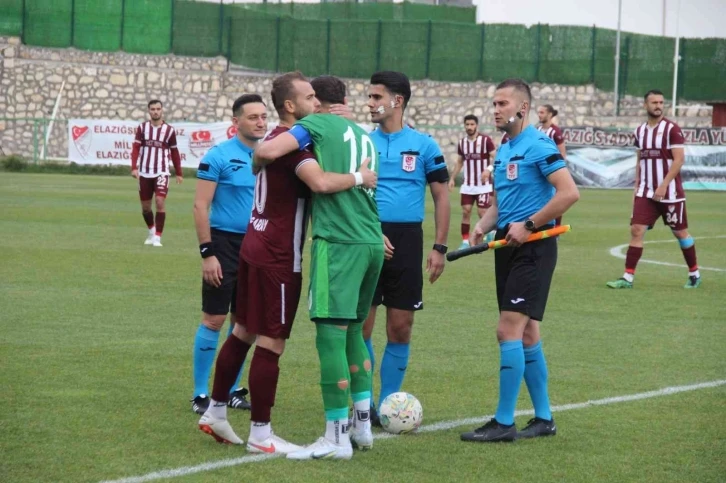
{"x": 82, "y": 139}
{"x": 200, "y": 142}
{"x": 518, "y": 300}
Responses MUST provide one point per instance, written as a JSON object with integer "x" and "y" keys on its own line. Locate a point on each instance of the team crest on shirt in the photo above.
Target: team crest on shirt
{"x": 671, "y": 208}
{"x": 512, "y": 171}
{"x": 408, "y": 162}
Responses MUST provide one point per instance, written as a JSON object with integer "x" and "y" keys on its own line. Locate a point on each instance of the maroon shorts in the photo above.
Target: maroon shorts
{"x": 646, "y": 212}
{"x": 267, "y": 300}
{"x": 148, "y": 187}
{"x": 482, "y": 201}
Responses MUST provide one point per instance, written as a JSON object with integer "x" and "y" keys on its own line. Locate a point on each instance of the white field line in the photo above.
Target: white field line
{"x": 617, "y": 252}
{"x": 443, "y": 425}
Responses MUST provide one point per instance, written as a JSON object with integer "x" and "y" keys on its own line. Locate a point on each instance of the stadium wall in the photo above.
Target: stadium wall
{"x": 118, "y": 85}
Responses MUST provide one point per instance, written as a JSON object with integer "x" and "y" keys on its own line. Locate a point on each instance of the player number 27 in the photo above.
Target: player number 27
{"x": 368, "y": 150}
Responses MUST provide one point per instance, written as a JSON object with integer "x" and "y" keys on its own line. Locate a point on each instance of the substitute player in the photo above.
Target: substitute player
{"x": 546, "y": 113}
{"x": 222, "y": 206}
{"x": 153, "y": 148}
{"x": 476, "y": 153}
{"x": 409, "y": 161}
{"x": 270, "y": 272}
{"x": 531, "y": 188}
{"x": 658, "y": 190}
{"x": 347, "y": 255}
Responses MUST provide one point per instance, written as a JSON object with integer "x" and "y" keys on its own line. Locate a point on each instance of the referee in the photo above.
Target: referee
{"x": 408, "y": 161}
{"x": 532, "y": 188}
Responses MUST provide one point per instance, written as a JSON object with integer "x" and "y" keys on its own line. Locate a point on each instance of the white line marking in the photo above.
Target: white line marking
{"x": 443, "y": 425}
{"x": 617, "y": 252}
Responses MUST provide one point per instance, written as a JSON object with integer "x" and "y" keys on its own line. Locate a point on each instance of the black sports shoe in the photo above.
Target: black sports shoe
{"x": 538, "y": 427}
{"x": 375, "y": 420}
{"x": 200, "y": 404}
{"x": 238, "y": 399}
{"x": 491, "y": 432}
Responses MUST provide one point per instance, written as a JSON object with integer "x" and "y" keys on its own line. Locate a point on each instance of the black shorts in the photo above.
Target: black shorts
{"x": 524, "y": 275}
{"x": 400, "y": 285}
{"x": 223, "y": 299}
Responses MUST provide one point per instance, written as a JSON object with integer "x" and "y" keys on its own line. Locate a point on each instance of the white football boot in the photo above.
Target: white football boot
{"x": 219, "y": 429}
{"x": 272, "y": 445}
{"x": 323, "y": 449}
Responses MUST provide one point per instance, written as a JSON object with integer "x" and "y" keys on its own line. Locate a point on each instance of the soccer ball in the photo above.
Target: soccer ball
{"x": 400, "y": 413}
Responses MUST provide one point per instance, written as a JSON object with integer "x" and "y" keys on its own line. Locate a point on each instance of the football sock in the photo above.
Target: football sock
{"x": 362, "y": 408}
{"x": 241, "y": 369}
{"x": 688, "y": 247}
{"x": 465, "y": 231}
{"x": 358, "y": 362}
{"x": 148, "y": 219}
{"x": 260, "y": 431}
{"x": 229, "y": 364}
{"x": 218, "y": 409}
{"x": 336, "y": 430}
{"x": 160, "y": 220}
{"x": 535, "y": 376}
{"x": 372, "y": 357}
{"x": 393, "y": 368}
{"x": 264, "y": 373}
{"x": 511, "y": 371}
{"x": 205, "y": 348}
{"x": 334, "y": 373}
{"x": 631, "y": 261}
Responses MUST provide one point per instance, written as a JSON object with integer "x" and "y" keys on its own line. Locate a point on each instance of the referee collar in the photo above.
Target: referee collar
{"x": 394, "y": 135}
{"x": 526, "y": 133}
{"x": 242, "y": 145}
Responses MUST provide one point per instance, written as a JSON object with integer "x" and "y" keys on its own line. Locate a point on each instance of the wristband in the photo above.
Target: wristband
{"x": 358, "y": 178}
{"x": 490, "y": 168}
{"x": 206, "y": 250}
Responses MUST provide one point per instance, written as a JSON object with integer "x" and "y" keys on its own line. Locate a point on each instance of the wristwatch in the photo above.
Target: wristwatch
{"x": 529, "y": 225}
{"x": 442, "y": 249}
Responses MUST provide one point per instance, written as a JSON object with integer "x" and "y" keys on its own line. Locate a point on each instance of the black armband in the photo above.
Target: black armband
{"x": 206, "y": 250}
{"x": 439, "y": 176}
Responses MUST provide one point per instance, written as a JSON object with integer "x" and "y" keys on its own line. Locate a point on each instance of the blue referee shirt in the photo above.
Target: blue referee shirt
{"x": 408, "y": 160}
{"x": 229, "y": 164}
{"x": 520, "y": 175}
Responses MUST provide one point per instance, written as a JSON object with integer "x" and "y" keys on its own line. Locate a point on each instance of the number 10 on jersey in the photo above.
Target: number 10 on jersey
{"x": 368, "y": 150}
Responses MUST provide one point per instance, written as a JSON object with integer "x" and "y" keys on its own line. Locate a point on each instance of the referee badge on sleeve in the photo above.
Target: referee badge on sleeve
{"x": 512, "y": 171}
{"x": 408, "y": 162}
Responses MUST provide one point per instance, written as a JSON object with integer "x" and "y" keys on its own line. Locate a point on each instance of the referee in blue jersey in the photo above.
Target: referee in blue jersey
{"x": 408, "y": 161}
{"x": 532, "y": 187}
{"x": 222, "y": 208}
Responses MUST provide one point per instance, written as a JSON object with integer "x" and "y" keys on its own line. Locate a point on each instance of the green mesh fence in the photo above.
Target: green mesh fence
{"x": 48, "y": 23}
{"x": 197, "y": 28}
{"x": 11, "y": 17}
{"x": 403, "y": 47}
{"x": 147, "y": 26}
{"x": 649, "y": 64}
{"x": 509, "y": 51}
{"x": 97, "y": 24}
{"x": 455, "y": 52}
{"x": 353, "y": 51}
{"x": 565, "y": 54}
{"x": 303, "y": 46}
{"x": 604, "y": 59}
{"x": 255, "y": 43}
{"x": 702, "y": 69}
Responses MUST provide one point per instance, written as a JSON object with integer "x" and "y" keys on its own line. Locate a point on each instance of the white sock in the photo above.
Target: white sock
{"x": 152, "y": 230}
{"x": 629, "y": 277}
{"x": 694, "y": 274}
{"x": 337, "y": 432}
{"x": 217, "y": 409}
{"x": 260, "y": 431}
{"x": 362, "y": 416}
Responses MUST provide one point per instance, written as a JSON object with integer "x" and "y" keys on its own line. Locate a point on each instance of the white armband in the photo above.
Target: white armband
{"x": 490, "y": 168}
{"x": 358, "y": 178}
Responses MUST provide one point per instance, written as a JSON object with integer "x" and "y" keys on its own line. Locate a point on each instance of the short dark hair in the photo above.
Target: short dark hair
{"x": 654, "y": 92}
{"x": 154, "y": 101}
{"x": 329, "y": 89}
{"x": 518, "y": 85}
{"x": 245, "y": 99}
{"x": 396, "y": 83}
{"x": 550, "y": 109}
{"x": 471, "y": 117}
{"x": 282, "y": 88}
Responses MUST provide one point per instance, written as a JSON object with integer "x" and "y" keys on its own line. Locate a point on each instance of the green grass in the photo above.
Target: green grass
{"x": 97, "y": 331}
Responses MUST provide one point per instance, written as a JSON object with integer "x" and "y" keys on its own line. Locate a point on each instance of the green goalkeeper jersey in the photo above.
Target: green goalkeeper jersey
{"x": 340, "y": 146}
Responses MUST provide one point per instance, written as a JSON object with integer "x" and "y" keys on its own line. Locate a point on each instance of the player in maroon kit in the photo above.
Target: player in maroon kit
{"x": 545, "y": 113}
{"x": 154, "y": 146}
{"x": 270, "y": 277}
{"x": 658, "y": 190}
{"x": 476, "y": 154}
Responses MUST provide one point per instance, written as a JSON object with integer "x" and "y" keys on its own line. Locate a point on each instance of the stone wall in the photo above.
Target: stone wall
{"x": 118, "y": 85}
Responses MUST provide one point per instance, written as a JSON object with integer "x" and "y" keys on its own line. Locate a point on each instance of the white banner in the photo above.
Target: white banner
{"x": 102, "y": 141}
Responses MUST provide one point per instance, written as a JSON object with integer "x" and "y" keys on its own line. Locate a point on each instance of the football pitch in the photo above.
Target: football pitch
{"x": 97, "y": 334}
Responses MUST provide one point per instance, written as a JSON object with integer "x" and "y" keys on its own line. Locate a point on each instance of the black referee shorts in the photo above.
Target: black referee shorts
{"x": 524, "y": 275}
{"x": 400, "y": 285}
{"x": 223, "y": 299}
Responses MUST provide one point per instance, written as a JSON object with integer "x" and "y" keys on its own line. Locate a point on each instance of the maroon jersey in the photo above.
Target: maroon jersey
{"x": 505, "y": 139}
{"x": 154, "y": 147}
{"x": 553, "y": 132}
{"x": 656, "y": 146}
{"x": 276, "y": 231}
{"x": 476, "y": 158}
